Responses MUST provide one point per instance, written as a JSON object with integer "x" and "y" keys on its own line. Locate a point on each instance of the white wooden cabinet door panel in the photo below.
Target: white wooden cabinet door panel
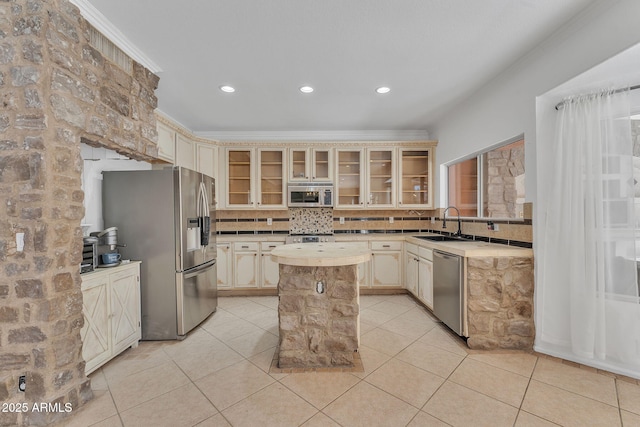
{"x": 125, "y": 309}
{"x": 425, "y": 282}
{"x": 246, "y": 269}
{"x": 166, "y": 143}
{"x": 95, "y": 333}
{"x": 185, "y": 152}
{"x": 411, "y": 273}
{"x": 270, "y": 270}
{"x": 224, "y": 265}
{"x": 386, "y": 269}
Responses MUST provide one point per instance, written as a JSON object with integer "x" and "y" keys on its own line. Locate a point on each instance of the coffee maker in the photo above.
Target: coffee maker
{"x": 107, "y": 250}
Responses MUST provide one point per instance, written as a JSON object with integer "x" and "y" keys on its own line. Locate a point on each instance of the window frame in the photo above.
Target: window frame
{"x": 479, "y": 155}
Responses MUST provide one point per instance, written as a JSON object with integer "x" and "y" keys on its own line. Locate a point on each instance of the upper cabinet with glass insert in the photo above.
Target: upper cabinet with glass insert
{"x": 255, "y": 183}
{"x": 416, "y": 178}
{"x": 349, "y": 186}
{"x": 240, "y": 178}
{"x": 310, "y": 164}
{"x": 380, "y": 180}
{"x": 272, "y": 185}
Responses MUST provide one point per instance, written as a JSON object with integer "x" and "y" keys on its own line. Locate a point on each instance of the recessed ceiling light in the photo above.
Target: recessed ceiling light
{"x": 383, "y": 89}
{"x": 306, "y": 89}
{"x": 228, "y": 89}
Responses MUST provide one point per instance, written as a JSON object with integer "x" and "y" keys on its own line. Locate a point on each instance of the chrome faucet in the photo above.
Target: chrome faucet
{"x": 444, "y": 220}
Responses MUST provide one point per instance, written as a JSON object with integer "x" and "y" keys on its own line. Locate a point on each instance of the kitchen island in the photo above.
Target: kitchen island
{"x": 318, "y": 307}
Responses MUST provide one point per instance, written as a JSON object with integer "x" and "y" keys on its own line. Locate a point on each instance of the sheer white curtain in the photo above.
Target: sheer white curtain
{"x": 587, "y": 305}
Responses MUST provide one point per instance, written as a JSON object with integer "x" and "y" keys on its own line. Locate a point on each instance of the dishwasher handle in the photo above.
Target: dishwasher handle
{"x": 445, "y": 255}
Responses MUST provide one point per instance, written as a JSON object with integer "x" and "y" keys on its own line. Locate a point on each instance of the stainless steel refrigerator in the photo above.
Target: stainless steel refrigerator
{"x": 166, "y": 218}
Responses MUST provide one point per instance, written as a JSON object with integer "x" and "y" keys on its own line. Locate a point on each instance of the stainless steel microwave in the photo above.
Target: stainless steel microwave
{"x": 310, "y": 195}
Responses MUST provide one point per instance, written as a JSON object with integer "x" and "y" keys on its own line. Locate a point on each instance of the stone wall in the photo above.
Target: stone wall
{"x": 500, "y": 303}
{"x": 318, "y": 329}
{"x": 505, "y": 175}
{"x": 55, "y": 91}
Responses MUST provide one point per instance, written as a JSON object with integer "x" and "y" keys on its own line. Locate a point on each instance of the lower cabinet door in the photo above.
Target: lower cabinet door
{"x": 386, "y": 268}
{"x": 246, "y": 269}
{"x": 269, "y": 269}
{"x": 95, "y": 333}
{"x": 224, "y": 266}
{"x": 425, "y": 282}
{"x": 125, "y": 309}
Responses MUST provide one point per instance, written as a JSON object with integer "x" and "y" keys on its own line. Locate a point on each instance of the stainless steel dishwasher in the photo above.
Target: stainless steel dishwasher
{"x": 447, "y": 289}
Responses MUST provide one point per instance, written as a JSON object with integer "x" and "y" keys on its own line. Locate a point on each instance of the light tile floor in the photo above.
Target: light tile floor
{"x": 417, "y": 373}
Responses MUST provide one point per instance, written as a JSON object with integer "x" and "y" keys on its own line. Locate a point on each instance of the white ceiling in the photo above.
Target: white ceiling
{"x": 431, "y": 53}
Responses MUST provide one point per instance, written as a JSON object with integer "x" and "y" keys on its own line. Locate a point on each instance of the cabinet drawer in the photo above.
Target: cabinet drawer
{"x": 268, "y": 246}
{"x": 386, "y": 246}
{"x": 411, "y": 248}
{"x": 251, "y": 246}
{"x": 425, "y": 253}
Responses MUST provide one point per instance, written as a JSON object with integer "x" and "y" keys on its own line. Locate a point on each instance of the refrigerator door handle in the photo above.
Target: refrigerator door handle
{"x": 198, "y": 270}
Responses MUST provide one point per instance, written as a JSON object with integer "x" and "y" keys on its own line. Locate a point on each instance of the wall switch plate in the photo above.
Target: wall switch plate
{"x": 341, "y": 220}
{"x": 269, "y": 221}
{"x": 390, "y": 220}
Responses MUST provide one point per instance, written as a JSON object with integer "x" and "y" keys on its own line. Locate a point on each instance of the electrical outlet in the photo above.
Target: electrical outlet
{"x": 341, "y": 220}
{"x": 269, "y": 221}
{"x": 390, "y": 220}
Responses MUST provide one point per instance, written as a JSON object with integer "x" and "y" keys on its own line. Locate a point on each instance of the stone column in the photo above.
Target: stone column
{"x": 318, "y": 329}
{"x": 500, "y": 303}
{"x": 55, "y": 90}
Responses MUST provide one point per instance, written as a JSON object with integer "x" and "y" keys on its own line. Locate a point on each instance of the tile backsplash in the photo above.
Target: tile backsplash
{"x": 352, "y": 221}
{"x": 311, "y": 220}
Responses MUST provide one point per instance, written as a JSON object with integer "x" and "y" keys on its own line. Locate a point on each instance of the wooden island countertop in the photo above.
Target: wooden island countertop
{"x": 320, "y": 254}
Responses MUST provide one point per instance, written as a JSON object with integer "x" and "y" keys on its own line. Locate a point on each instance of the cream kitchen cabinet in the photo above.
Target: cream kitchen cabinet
{"x": 166, "y": 142}
{"x": 310, "y": 164}
{"x": 185, "y": 152}
{"x": 380, "y": 174}
{"x": 272, "y": 185}
{"x": 386, "y": 264}
{"x": 206, "y": 158}
{"x": 365, "y": 178}
{"x": 224, "y": 267}
{"x": 349, "y": 183}
{"x": 269, "y": 269}
{"x": 111, "y": 309}
{"x": 206, "y": 163}
{"x": 425, "y": 276}
{"x": 255, "y": 178}
{"x": 411, "y": 268}
{"x": 245, "y": 265}
{"x": 415, "y": 183}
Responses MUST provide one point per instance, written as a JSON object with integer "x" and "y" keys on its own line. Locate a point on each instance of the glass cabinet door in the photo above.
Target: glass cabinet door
{"x": 272, "y": 183}
{"x": 349, "y": 186}
{"x": 298, "y": 168}
{"x": 380, "y": 178}
{"x": 416, "y": 176}
{"x": 322, "y": 164}
{"x": 239, "y": 174}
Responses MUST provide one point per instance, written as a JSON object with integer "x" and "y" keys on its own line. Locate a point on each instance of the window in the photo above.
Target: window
{"x": 490, "y": 184}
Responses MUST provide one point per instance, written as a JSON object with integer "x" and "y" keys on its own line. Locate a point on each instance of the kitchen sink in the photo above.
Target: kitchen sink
{"x": 443, "y": 238}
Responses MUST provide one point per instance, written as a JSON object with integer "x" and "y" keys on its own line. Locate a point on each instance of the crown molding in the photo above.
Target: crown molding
{"x": 373, "y": 135}
{"x": 102, "y": 24}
